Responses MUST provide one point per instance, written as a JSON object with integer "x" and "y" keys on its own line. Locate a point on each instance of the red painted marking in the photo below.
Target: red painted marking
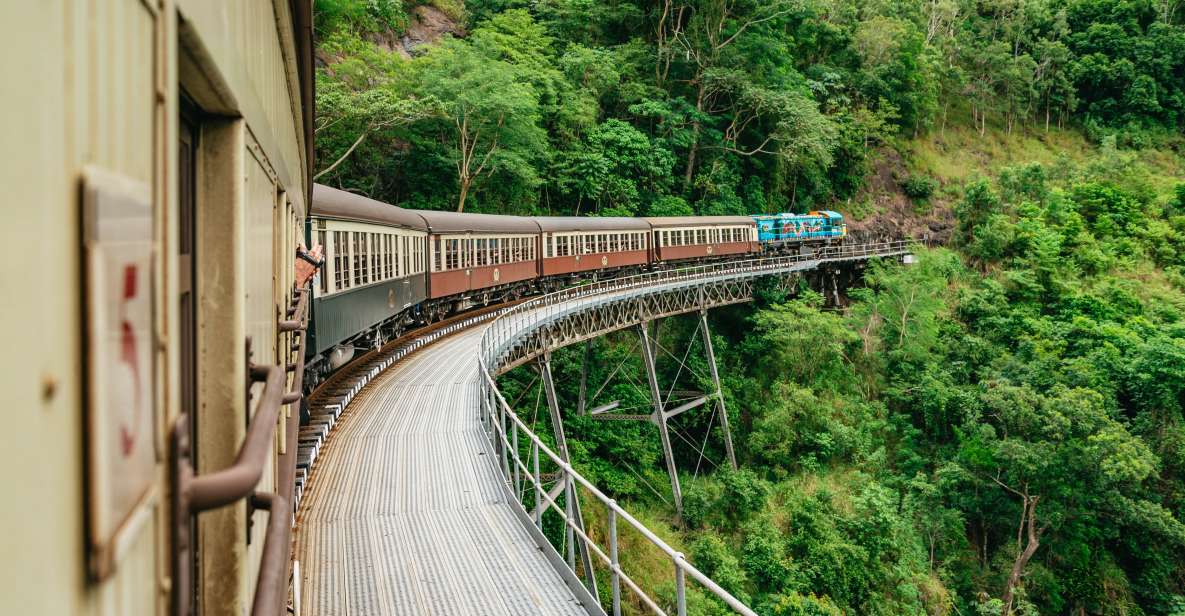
{"x": 127, "y": 355}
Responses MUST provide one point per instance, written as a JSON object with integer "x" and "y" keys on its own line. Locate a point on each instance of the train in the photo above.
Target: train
{"x": 387, "y": 269}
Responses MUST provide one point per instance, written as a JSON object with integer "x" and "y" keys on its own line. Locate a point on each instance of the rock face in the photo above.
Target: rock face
{"x": 426, "y": 25}
{"x": 894, "y": 215}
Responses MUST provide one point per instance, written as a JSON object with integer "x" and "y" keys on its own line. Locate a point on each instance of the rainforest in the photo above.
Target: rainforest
{"x": 994, "y": 429}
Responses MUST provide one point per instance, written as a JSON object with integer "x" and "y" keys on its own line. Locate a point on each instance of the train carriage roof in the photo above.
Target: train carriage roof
{"x": 591, "y": 223}
{"x": 329, "y": 202}
{"x": 665, "y": 222}
{"x": 454, "y": 222}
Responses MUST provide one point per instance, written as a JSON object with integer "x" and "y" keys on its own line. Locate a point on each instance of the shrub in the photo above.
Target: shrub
{"x": 919, "y": 187}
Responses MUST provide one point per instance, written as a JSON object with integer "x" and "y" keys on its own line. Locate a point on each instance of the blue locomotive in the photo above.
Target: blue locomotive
{"x": 778, "y": 228}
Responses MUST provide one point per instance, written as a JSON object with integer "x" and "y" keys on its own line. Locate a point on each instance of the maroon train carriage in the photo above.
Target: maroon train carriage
{"x": 699, "y": 237}
{"x": 471, "y": 254}
{"x": 573, "y": 244}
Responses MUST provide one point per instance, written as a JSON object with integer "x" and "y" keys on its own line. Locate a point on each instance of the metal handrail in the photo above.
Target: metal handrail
{"x": 237, "y": 481}
{"x": 504, "y": 328}
{"x": 682, "y": 566}
{"x": 271, "y": 587}
{"x": 514, "y": 324}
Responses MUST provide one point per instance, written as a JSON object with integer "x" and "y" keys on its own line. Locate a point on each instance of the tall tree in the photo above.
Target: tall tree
{"x": 490, "y": 114}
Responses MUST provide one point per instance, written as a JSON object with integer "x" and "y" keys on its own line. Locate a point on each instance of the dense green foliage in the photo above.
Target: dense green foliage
{"x": 718, "y": 106}
{"x": 995, "y": 429}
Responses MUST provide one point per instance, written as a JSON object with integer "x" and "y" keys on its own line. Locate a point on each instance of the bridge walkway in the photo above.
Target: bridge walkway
{"x": 407, "y": 515}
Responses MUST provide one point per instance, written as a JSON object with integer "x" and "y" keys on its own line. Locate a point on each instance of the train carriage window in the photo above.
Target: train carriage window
{"x": 323, "y": 278}
{"x": 481, "y": 252}
{"x": 356, "y": 261}
{"x": 701, "y": 236}
{"x": 367, "y": 251}
{"x": 382, "y": 249}
{"x": 437, "y": 254}
{"x": 376, "y": 251}
{"x": 376, "y": 262}
{"x": 341, "y": 278}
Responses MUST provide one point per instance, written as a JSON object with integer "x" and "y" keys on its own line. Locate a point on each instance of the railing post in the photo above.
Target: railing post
{"x": 518, "y": 479}
{"x": 569, "y": 534}
{"x": 503, "y": 441}
{"x": 680, "y": 585}
{"x": 538, "y": 485}
{"x": 614, "y": 563}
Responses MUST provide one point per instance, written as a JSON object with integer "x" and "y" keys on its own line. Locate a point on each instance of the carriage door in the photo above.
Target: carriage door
{"x": 187, "y": 320}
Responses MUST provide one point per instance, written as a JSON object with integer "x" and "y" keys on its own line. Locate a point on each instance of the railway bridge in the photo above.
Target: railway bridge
{"x": 432, "y": 495}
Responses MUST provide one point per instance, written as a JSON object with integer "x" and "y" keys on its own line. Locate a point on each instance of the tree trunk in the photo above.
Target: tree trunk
{"x": 695, "y": 128}
{"x": 465, "y": 182}
{"x": 1028, "y": 524}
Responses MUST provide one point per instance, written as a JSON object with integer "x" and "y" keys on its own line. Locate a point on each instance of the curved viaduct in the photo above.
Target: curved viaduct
{"x": 431, "y": 496}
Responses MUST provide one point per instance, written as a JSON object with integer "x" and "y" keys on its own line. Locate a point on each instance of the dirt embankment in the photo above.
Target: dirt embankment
{"x": 888, "y": 214}
{"x": 426, "y": 25}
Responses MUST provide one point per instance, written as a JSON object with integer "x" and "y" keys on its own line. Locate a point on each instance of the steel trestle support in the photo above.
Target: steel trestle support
{"x": 571, "y": 493}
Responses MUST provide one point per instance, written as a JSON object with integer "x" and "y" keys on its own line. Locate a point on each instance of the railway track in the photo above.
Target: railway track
{"x": 330, "y": 400}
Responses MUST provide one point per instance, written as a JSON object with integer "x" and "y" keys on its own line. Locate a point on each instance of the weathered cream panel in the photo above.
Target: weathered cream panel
{"x": 245, "y": 40}
{"x": 78, "y": 89}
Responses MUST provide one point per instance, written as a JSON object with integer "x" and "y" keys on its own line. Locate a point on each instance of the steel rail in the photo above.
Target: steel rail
{"x": 511, "y": 327}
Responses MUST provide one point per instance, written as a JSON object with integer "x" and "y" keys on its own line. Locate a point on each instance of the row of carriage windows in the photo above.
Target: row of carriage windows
{"x": 467, "y": 252}
{"x": 358, "y": 258}
{"x": 712, "y": 235}
{"x": 567, "y": 245}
